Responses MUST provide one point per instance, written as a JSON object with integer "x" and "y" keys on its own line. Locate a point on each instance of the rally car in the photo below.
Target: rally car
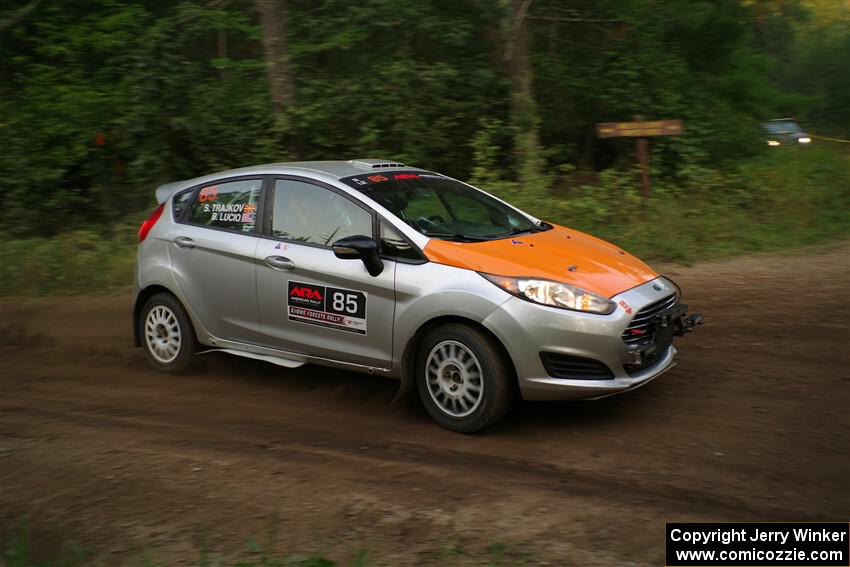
{"x": 374, "y": 266}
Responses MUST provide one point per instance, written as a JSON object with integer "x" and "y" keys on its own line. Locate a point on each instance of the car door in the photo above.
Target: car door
{"x": 214, "y": 243}
{"x": 312, "y": 302}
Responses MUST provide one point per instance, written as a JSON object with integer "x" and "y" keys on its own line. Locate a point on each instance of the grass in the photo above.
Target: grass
{"x": 19, "y": 552}
{"x": 780, "y": 200}
{"x": 75, "y": 262}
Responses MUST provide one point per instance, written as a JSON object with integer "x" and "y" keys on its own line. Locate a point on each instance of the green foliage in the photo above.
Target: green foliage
{"x": 102, "y": 101}
{"x": 19, "y": 553}
{"x": 79, "y": 261}
{"x": 398, "y": 79}
{"x": 121, "y": 75}
{"x": 820, "y": 68}
{"x": 691, "y": 59}
{"x": 485, "y": 152}
{"x": 783, "y": 198}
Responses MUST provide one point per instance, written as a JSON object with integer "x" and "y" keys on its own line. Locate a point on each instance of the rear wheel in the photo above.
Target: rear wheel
{"x": 463, "y": 377}
{"x": 167, "y": 334}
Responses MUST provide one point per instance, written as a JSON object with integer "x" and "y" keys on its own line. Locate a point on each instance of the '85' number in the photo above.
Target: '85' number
{"x": 344, "y": 302}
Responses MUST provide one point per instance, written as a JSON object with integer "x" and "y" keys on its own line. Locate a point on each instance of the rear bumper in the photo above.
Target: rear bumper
{"x": 527, "y": 330}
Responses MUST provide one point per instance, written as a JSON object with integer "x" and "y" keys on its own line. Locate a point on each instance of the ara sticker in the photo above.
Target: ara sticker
{"x": 377, "y": 178}
{"x": 325, "y": 306}
{"x": 625, "y": 306}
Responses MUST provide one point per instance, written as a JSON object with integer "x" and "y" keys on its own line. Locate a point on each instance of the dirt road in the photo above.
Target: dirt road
{"x": 753, "y": 424}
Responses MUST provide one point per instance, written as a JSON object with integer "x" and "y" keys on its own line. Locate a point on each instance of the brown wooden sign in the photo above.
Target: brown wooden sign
{"x": 639, "y": 129}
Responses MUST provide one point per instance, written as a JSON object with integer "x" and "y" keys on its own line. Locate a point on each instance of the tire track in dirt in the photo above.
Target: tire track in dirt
{"x": 752, "y": 425}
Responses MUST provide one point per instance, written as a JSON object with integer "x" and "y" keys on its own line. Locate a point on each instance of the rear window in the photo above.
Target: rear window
{"x": 230, "y": 206}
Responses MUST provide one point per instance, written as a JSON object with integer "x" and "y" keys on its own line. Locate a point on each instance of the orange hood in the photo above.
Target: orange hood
{"x": 600, "y": 267}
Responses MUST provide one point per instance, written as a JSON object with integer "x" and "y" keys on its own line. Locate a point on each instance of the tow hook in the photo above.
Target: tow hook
{"x": 686, "y": 325}
{"x": 677, "y": 318}
{"x": 673, "y": 322}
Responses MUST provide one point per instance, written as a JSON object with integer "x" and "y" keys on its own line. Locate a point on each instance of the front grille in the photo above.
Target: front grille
{"x": 574, "y": 367}
{"x": 640, "y": 330}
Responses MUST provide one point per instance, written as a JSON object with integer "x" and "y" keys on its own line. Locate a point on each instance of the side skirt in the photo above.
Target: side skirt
{"x": 285, "y": 362}
{"x": 287, "y": 359}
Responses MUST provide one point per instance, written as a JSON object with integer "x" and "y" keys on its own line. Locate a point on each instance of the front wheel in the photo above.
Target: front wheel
{"x": 167, "y": 334}
{"x": 463, "y": 377}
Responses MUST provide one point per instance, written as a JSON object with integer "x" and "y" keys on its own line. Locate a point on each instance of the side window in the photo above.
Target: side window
{"x": 313, "y": 214}
{"x": 393, "y": 244}
{"x": 231, "y": 205}
{"x": 179, "y": 203}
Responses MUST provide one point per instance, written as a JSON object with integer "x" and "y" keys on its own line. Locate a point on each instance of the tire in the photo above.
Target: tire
{"x": 168, "y": 337}
{"x": 464, "y": 378}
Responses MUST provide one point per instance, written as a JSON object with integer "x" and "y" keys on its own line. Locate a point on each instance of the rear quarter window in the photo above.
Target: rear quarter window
{"x": 180, "y": 202}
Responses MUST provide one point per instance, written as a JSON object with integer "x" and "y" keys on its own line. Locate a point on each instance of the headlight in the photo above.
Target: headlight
{"x": 554, "y": 294}
{"x": 773, "y": 143}
{"x": 804, "y": 140}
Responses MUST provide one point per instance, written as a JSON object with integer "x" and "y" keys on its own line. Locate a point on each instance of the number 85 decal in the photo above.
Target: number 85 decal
{"x": 345, "y": 302}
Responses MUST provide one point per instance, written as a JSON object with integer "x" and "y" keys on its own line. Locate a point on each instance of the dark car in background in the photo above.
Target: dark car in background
{"x": 785, "y": 132}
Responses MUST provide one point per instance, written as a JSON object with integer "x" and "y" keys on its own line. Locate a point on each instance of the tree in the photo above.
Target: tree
{"x": 524, "y": 118}
{"x": 273, "y": 19}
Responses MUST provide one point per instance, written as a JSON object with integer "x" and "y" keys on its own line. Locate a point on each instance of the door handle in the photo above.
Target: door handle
{"x": 184, "y": 242}
{"x": 279, "y": 263}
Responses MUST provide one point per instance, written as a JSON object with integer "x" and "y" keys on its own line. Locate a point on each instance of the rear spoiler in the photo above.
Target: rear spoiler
{"x": 163, "y": 192}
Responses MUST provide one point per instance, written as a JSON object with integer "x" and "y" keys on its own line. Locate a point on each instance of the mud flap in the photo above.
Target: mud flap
{"x": 405, "y": 387}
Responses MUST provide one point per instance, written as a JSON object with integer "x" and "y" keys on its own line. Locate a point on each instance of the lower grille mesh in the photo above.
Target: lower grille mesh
{"x": 574, "y": 367}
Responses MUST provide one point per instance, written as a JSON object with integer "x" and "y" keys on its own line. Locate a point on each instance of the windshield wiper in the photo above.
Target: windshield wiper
{"x": 455, "y": 236}
{"x": 518, "y": 230}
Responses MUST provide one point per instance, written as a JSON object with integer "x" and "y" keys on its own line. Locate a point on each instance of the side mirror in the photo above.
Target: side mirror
{"x": 363, "y": 247}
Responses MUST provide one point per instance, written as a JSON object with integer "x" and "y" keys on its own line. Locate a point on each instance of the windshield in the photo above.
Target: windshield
{"x": 783, "y": 127}
{"x": 443, "y": 208}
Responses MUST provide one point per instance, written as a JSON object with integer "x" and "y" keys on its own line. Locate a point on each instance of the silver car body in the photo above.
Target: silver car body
{"x": 233, "y": 296}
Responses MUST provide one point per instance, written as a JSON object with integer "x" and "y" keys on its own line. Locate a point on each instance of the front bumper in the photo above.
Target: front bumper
{"x": 527, "y": 329}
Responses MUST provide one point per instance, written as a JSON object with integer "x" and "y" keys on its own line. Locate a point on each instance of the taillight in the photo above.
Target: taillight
{"x": 149, "y": 222}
